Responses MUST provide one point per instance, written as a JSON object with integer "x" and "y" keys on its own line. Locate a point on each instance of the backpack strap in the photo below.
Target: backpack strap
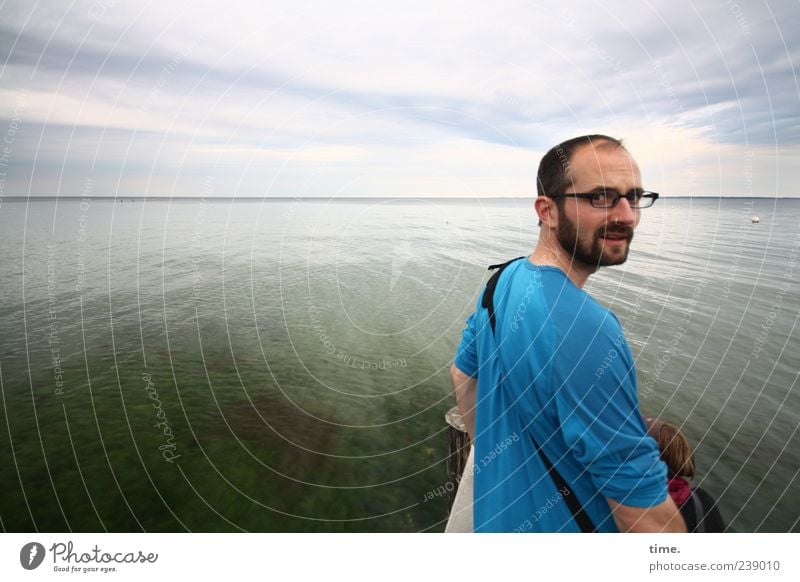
{"x": 488, "y": 295}
{"x": 578, "y": 512}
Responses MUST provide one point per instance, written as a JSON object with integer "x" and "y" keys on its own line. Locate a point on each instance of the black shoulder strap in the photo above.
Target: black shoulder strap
{"x": 578, "y": 512}
{"x": 488, "y": 295}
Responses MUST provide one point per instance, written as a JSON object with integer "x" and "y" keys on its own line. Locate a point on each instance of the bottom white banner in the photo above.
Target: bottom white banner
{"x": 353, "y": 557}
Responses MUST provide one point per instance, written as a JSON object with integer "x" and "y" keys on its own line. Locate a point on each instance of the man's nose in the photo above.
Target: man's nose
{"x": 623, "y": 213}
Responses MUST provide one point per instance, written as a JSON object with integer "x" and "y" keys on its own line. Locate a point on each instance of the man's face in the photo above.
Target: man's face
{"x": 599, "y": 237}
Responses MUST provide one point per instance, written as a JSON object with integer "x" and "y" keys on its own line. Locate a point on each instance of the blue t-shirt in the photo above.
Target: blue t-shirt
{"x": 557, "y": 373}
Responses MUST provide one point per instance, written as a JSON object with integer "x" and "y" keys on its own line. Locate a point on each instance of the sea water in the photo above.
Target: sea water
{"x": 283, "y": 365}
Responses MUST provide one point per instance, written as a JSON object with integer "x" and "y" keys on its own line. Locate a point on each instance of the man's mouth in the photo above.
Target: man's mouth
{"x": 617, "y": 237}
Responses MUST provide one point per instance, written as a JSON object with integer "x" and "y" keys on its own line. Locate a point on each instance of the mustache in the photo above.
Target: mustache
{"x": 616, "y": 229}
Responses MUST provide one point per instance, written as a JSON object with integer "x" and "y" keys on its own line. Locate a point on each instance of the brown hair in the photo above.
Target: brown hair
{"x": 554, "y": 176}
{"x": 675, "y": 449}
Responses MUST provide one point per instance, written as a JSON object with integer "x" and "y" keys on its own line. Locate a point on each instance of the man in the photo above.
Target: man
{"x": 544, "y": 377}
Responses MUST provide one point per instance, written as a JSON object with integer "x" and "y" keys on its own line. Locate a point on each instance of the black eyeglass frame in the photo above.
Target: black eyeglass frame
{"x": 634, "y": 197}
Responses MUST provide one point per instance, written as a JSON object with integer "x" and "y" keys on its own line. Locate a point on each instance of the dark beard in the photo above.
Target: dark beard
{"x": 567, "y": 236}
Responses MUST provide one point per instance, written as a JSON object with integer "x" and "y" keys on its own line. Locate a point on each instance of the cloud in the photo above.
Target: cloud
{"x": 166, "y": 87}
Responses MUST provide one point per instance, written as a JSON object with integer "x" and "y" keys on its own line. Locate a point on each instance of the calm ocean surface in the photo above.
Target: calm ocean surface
{"x": 284, "y": 365}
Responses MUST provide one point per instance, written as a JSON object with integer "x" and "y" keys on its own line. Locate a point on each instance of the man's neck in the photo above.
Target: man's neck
{"x": 553, "y": 255}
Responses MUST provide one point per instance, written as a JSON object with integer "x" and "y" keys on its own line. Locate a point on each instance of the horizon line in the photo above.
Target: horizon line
{"x": 254, "y": 197}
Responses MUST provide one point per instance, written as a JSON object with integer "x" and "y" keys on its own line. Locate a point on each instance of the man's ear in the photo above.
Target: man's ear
{"x": 545, "y": 210}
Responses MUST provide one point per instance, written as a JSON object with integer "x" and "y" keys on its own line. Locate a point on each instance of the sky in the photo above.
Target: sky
{"x": 404, "y": 99}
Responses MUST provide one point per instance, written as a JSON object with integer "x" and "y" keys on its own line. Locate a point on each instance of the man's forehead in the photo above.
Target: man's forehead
{"x": 603, "y": 164}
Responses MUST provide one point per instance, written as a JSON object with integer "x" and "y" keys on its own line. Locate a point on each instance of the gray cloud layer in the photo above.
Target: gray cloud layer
{"x": 105, "y": 84}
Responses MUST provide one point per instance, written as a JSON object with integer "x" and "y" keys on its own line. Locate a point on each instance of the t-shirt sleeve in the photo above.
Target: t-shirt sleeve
{"x": 598, "y": 410}
{"x": 467, "y": 354}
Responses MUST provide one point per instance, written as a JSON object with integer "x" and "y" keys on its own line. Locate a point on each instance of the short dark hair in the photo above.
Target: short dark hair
{"x": 554, "y": 175}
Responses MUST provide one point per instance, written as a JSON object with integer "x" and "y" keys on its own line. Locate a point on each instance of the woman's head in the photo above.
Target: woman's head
{"x": 675, "y": 449}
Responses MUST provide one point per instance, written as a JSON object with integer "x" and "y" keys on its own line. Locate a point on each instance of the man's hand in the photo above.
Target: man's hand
{"x": 466, "y": 389}
{"x": 662, "y": 518}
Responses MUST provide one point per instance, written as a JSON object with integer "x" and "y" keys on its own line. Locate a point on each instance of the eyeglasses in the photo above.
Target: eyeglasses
{"x": 610, "y": 198}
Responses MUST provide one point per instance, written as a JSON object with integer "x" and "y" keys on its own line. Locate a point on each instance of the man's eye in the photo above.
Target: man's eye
{"x": 604, "y": 197}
